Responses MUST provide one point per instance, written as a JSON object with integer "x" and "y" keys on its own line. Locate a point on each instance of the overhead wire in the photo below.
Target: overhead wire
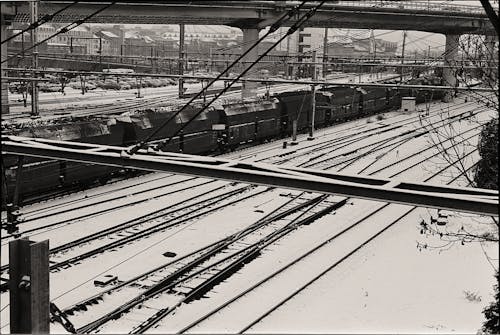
{"x": 46, "y": 18}
{"x": 290, "y": 31}
{"x": 63, "y": 30}
{"x": 271, "y": 30}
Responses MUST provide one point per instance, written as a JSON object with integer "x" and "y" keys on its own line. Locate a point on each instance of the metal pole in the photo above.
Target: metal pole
{"x": 313, "y": 98}
{"x": 325, "y": 53}
{"x": 19, "y": 178}
{"x": 294, "y": 132}
{"x": 100, "y": 50}
{"x": 181, "y": 60}
{"x": 403, "y": 56}
{"x": 34, "y": 83}
{"x": 288, "y": 73}
{"x": 29, "y": 287}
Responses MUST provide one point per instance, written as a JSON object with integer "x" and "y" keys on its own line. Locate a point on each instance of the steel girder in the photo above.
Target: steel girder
{"x": 473, "y": 200}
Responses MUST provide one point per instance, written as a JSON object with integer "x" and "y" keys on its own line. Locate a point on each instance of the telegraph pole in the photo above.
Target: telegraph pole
{"x": 325, "y": 53}
{"x": 313, "y": 97}
{"x": 403, "y": 55}
{"x": 34, "y": 62}
{"x": 181, "y": 60}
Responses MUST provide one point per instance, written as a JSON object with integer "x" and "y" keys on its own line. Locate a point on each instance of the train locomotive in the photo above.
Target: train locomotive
{"x": 221, "y": 128}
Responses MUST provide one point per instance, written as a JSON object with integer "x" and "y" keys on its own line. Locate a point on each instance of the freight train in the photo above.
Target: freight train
{"x": 221, "y": 128}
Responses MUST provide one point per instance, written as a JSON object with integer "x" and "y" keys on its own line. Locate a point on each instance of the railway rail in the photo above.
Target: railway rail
{"x": 159, "y": 316}
{"x": 267, "y": 280}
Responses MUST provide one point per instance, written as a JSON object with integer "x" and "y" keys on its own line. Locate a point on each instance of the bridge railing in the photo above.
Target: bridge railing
{"x": 415, "y": 5}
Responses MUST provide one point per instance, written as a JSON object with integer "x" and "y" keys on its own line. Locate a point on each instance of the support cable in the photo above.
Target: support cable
{"x": 271, "y": 30}
{"x": 63, "y": 30}
{"x": 46, "y": 18}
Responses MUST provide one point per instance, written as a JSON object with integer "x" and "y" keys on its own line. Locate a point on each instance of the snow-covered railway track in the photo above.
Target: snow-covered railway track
{"x": 272, "y": 289}
{"x": 190, "y": 281}
{"x": 156, "y": 314}
{"x": 130, "y": 231}
{"x": 321, "y": 158}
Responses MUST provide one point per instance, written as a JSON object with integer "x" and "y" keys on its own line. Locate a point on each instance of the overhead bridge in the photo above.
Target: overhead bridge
{"x": 472, "y": 200}
{"x": 398, "y": 15}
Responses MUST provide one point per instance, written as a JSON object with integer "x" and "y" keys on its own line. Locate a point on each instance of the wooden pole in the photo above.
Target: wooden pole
{"x": 29, "y": 287}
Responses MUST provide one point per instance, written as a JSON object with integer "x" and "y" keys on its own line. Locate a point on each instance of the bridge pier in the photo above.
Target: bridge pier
{"x": 250, "y": 36}
{"x": 450, "y": 57}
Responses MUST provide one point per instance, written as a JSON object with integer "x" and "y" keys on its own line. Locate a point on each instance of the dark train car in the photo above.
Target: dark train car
{"x": 295, "y": 105}
{"x": 322, "y": 99}
{"x": 197, "y": 137}
{"x": 344, "y": 104}
{"x": 374, "y": 100}
{"x": 423, "y": 95}
{"x": 37, "y": 177}
{"x": 73, "y": 173}
{"x": 138, "y": 126}
{"x": 91, "y": 131}
{"x": 243, "y": 122}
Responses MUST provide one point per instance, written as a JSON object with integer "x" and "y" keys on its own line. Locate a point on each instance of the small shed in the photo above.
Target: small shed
{"x": 408, "y": 104}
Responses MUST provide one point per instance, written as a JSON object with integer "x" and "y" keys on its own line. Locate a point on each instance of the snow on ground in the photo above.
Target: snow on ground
{"x": 391, "y": 287}
{"x": 388, "y": 285}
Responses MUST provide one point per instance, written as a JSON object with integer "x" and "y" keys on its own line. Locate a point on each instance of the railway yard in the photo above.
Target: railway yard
{"x": 180, "y": 254}
{"x": 257, "y": 167}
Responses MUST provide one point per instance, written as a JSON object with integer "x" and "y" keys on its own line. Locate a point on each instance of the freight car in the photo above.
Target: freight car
{"x": 219, "y": 129}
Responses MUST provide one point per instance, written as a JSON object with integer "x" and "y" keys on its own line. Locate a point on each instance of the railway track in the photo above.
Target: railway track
{"x": 119, "y": 107}
{"x": 115, "y": 230}
{"x": 159, "y": 315}
{"x": 303, "y": 159}
{"x": 266, "y": 285}
{"x": 347, "y": 141}
{"x": 193, "y": 278}
{"x": 340, "y": 144}
{"x": 149, "y": 224}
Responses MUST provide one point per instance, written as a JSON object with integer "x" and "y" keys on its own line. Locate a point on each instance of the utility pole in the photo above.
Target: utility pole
{"x": 29, "y": 287}
{"x": 181, "y": 60}
{"x": 34, "y": 64}
{"x": 313, "y": 97}
{"x": 403, "y": 56}
{"x": 100, "y": 50}
{"x": 288, "y": 72}
{"x": 325, "y": 53}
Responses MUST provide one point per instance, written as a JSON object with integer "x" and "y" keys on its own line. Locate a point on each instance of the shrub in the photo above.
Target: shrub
{"x": 486, "y": 172}
{"x": 492, "y": 324}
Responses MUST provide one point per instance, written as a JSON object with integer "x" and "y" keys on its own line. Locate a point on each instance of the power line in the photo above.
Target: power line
{"x": 290, "y": 31}
{"x": 46, "y": 18}
{"x": 272, "y": 29}
{"x": 65, "y": 29}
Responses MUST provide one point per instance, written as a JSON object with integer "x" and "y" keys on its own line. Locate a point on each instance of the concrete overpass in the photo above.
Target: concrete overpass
{"x": 396, "y": 15}
{"x": 253, "y": 15}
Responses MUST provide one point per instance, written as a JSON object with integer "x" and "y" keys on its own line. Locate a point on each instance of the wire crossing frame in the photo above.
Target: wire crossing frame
{"x": 472, "y": 200}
